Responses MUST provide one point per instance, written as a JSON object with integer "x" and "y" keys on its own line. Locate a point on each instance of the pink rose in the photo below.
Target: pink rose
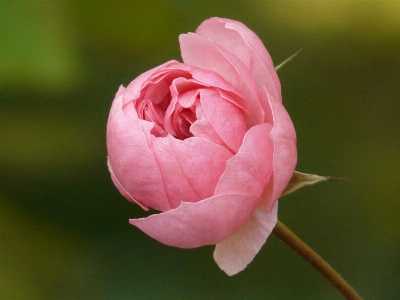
{"x": 207, "y": 143}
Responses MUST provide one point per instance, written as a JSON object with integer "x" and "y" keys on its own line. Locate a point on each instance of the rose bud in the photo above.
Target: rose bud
{"x": 207, "y": 143}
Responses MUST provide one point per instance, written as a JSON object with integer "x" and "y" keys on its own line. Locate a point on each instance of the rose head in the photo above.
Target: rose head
{"x": 207, "y": 143}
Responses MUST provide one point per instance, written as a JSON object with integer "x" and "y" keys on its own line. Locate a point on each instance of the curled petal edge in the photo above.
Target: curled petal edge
{"x": 237, "y": 251}
{"x": 207, "y": 222}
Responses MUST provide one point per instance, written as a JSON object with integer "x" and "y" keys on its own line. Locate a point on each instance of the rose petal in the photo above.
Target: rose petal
{"x": 207, "y": 222}
{"x": 247, "y": 46}
{"x": 134, "y": 89}
{"x": 131, "y": 161}
{"x": 121, "y": 189}
{"x": 249, "y": 171}
{"x": 225, "y": 118}
{"x": 190, "y": 168}
{"x": 203, "y": 53}
{"x": 237, "y": 251}
{"x": 212, "y": 79}
{"x": 202, "y": 128}
{"x": 283, "y": 136}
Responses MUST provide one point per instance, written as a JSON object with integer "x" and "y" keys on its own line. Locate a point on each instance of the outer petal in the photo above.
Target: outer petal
{"x": 190, "y": 168}
{"x": 131, "y": 161}
{"x": 237, "y": 251}
{"x": 203, "y": 53}
{"x": 207, "y": 222}
{"x": 283, "y": 136}
{"x": 246, "y": 45}
{"x": 121, "y": 188}
{"x": 249, "y": 171}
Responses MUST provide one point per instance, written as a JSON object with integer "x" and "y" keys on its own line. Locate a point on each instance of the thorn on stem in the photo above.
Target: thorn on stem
{"x": 288, "y": 59}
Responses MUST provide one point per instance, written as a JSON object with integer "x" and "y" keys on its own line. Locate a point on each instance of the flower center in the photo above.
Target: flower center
{"x": 151, "y": 112}
{"x": 174, "y": 119}
{"x": 169, "y": 103}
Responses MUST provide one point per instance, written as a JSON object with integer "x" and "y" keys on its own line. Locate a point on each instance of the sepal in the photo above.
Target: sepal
{"x": 299, "y": 180}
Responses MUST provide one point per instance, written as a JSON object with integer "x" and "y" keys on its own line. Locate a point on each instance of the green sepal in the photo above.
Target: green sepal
{"x": 299, "y": 180}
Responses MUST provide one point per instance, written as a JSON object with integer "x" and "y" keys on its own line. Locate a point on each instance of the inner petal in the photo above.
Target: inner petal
{"x": 180, "y": 114}
{"x": 219, "y": 120}
{"x": 203, "y": 128}
{"x": 151, "y": 112}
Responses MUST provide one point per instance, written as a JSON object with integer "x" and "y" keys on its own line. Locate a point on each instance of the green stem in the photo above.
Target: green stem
{"x": 301, "y": 248}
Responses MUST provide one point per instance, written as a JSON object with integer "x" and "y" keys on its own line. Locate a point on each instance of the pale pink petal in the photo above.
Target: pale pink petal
{"x": 225, "y": 118}
{"x": 169, "y": 121}
{"x": 238, "y": 250}
{"x": 203, "y": 53}
{"x": 134, "y": 89}
{"x": 131, "y": 161}
{"x": 249, "y": 171}
{"x": 186, "y": 90}
{"x": 184, "y": 94}
{"x": 190, "y": 168}
{"x": 202, "y": 128}
{"x": 212, "y": 79}
{"x": 121, "y": 91}
{"x": 121, "y": 189}
{"x": 283, "y": 136}
{"x": 245, "y": 44}
{"x": 207, "y": 222}
{"x": 188, "y": 99}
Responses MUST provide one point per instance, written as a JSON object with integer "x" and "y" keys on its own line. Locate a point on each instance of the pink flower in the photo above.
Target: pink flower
{"x": 207, "y": 143}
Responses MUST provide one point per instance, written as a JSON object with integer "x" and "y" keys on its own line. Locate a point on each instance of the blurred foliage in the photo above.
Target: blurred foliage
{"x": 64, "y": 231}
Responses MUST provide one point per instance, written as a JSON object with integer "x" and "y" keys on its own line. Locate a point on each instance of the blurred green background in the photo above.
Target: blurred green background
{"x": 64, "y": 231}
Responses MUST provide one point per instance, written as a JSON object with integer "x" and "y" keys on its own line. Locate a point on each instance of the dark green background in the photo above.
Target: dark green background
{"x": 64, "y": 231}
